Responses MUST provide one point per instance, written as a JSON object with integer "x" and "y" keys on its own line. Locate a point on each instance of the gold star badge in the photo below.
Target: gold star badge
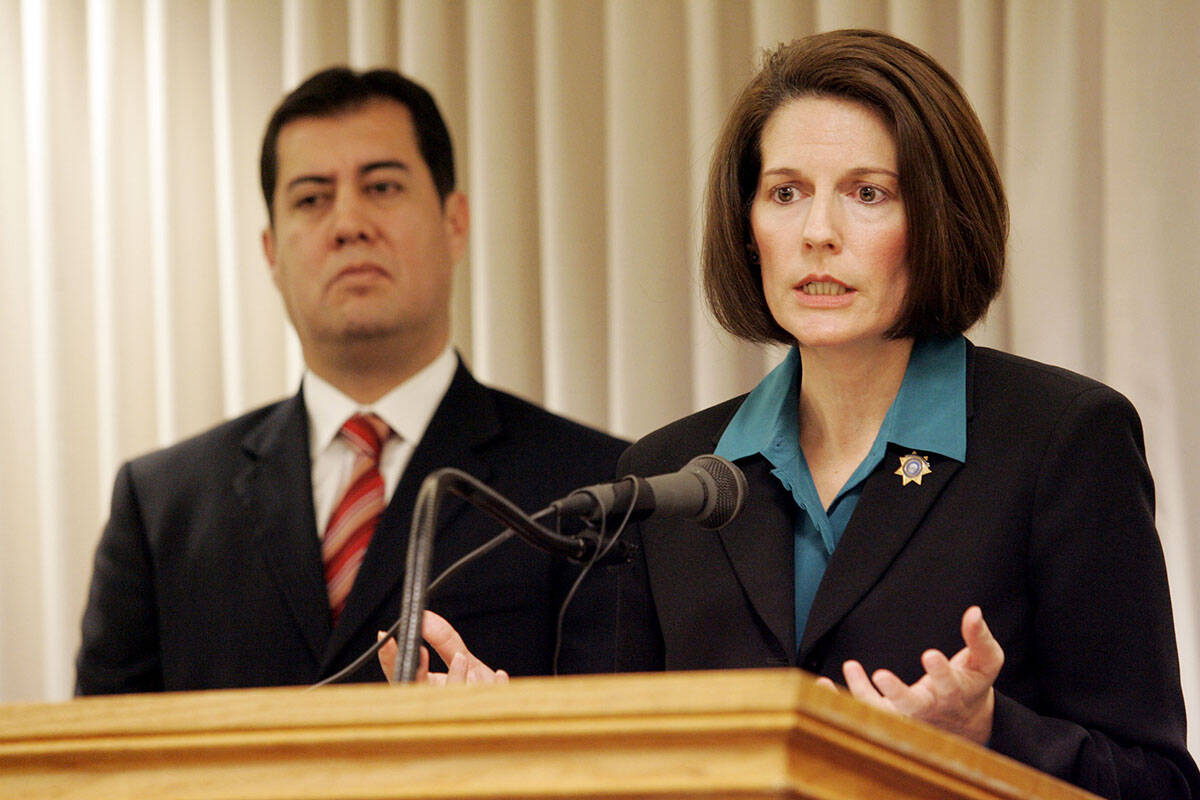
{"x": 912, "y": 468}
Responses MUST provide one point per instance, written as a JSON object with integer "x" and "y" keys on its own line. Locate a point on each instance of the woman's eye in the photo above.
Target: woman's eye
{"x": 870, "y": 194}
{"x": 784, "y": 194}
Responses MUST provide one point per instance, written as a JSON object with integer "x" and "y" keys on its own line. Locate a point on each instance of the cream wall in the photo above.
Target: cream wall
{"x": 137, "y": 307}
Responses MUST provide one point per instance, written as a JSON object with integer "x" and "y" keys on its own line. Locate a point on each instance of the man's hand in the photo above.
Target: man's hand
{"x": 462, "y": 666}
{"x": 954, "y": 694}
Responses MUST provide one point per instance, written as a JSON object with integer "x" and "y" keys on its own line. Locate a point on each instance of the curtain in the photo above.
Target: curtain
{"x": 138, "y": 309}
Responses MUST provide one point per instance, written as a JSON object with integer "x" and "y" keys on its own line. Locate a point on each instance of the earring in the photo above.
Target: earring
{"x": 753, "y": 251}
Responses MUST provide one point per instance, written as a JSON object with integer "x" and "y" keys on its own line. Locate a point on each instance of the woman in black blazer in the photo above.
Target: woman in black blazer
{"x": 906, "y": 486}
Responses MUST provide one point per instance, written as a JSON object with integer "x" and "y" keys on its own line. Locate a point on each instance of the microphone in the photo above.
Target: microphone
{"x": 708, "y": 490}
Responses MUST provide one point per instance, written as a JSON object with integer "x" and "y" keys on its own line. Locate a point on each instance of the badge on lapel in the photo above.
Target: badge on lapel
{"x": 912, "y": 468}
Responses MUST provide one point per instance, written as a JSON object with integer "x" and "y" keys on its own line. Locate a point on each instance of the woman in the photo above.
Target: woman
{"x": 904, "y": 484}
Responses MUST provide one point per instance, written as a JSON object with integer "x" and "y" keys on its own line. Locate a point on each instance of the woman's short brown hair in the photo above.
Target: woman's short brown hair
{"x": 954, "y": 201}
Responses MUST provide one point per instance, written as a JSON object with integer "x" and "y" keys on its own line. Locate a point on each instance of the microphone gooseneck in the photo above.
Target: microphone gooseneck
{"x": 420, "y": 550}
{"x": 708, "y": 490}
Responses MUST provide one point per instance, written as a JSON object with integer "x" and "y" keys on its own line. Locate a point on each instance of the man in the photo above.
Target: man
{"x": 257, "y": 553}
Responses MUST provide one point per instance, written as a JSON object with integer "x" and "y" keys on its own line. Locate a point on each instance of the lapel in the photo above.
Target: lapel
{"x": 759, "y": 544}
{"x": 464, "y": 422}
{"x": 275, "y": 489}
{"x": 887, "y": 515}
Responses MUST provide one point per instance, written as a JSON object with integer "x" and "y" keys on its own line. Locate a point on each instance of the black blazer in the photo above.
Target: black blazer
{"x": 1048, "y": 527}
{"x": 209, "y": 572}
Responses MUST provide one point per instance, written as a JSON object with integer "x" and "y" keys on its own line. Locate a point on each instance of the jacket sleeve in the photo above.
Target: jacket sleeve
{"x": 1110, "y": 716}
{"x": 119, "y": 652}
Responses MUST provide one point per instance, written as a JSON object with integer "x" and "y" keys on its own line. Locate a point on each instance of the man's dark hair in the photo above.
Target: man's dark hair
{"x": 337, "y": 90}
{"x": 953, "y": 198}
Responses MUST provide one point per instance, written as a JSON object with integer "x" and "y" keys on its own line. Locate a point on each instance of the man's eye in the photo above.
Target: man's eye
{"x": 784, "y": 194}
{"x": 384, "y": 188}
{"x": 307, "y": 201}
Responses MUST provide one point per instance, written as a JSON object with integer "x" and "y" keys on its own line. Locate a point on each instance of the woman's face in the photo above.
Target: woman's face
{"x": 829, "y": 223}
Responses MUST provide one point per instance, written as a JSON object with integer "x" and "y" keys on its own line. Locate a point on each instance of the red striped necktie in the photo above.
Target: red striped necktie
{"x": 354, "y": 517}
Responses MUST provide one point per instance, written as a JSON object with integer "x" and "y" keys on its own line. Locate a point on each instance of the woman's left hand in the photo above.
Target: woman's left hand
{"x": 955, "y": 694}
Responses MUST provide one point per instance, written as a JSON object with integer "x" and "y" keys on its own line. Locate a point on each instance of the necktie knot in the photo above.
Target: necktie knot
{"x": 366, "y": 433}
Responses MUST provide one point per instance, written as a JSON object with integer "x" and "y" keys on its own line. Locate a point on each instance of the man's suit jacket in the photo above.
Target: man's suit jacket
{"x": 1048, "y": 526}
{"x": 209, "y": 572}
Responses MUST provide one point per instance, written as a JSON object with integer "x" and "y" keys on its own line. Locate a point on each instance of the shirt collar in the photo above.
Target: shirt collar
{"x": 928, "y": 414}
{"x": 770, "y": 413}
{"x": 407, "y": 409}
{"x": 930, "y": 410}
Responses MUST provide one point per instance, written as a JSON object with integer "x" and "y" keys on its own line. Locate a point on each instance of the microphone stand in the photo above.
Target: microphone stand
{"x": 419, "y": 557}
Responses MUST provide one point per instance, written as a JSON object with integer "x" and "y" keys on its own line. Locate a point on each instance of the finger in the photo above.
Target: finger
{"x": 478, "y": 672}
{"x": 946, "y": 684}
{"x": 442, "y": 637}
{"x": 826, "y": 683}
{"x": 459, "y": 664}
{"x": 940, "y": 670}
{"x": 898, "y": 696}
{"x": 984, "y": 653}
{"x": 387, "y": 656}
{"x": 422, "y": 675}
{"x": 889, "y": 685}
{"x": 860, "y": 685}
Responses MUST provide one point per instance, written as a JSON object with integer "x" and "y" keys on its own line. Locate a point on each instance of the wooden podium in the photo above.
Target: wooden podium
{"x": 734, "y": 734}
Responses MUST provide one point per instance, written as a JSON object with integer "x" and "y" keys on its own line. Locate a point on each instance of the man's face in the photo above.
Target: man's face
{"x": 361, "y": 248}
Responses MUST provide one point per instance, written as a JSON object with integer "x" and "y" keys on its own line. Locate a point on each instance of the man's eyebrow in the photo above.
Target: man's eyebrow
{"x": 317, "y": 179}
{"x": 386, "y": 164}
{"x": 365, "y": 169}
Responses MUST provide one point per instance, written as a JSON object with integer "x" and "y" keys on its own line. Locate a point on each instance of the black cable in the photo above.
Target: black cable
{"x": 420, "y": 550}
{"x": 390, "y": 633}
{"x": 602, "y": 550}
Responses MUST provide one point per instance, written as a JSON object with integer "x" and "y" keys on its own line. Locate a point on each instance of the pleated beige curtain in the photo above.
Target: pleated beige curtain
{"x": 137, "y": 307}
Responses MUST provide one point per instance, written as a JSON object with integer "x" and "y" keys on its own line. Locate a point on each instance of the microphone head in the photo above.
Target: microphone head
{"x": 726, "y": 488}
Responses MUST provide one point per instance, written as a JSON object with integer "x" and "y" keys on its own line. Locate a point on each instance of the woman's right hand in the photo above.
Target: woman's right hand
{"x": 463, "y": 667}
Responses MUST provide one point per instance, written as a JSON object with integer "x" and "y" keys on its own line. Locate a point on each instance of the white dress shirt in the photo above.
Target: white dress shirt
{"x": 406, "y": 409}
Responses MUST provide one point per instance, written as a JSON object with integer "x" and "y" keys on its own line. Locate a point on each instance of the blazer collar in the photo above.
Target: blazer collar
{"x": 759, "y": 544}
{"x": 275, "y": 490}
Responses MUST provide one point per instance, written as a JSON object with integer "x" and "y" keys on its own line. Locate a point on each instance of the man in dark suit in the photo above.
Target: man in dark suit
{"x": 223, "y": 563}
